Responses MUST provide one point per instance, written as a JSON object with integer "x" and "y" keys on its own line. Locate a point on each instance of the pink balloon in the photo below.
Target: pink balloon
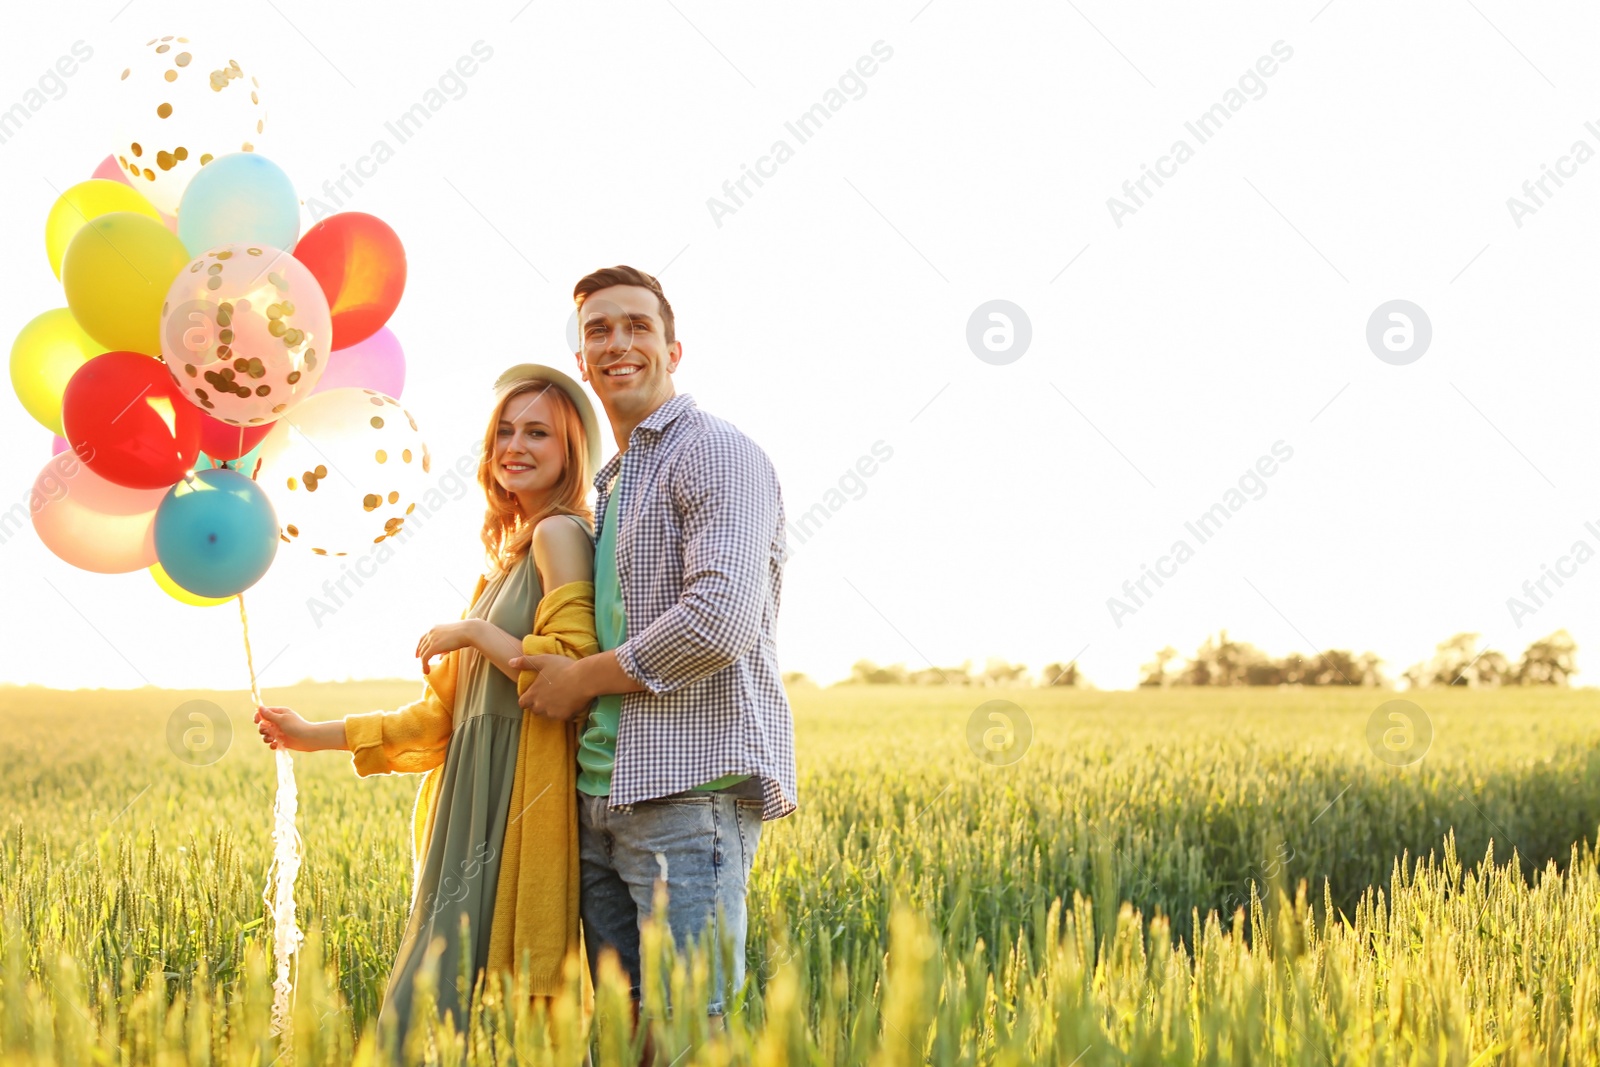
{"x": 376, "y": 363}
{"x": 59, "y": 446}
{"x": 91, "y": 523}
{"x": 109, "y": 169}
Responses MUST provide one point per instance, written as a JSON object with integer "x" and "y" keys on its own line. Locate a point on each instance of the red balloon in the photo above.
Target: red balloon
{"x": 222, "y": 441}
{"x": 362, "y": 269}
{"x": 129, "y": 423}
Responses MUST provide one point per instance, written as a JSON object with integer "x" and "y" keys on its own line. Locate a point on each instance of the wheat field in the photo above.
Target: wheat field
{"x": 1166, "y": 876}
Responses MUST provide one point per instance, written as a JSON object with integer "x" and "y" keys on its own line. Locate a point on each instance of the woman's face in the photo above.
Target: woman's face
{"x": 528, "y": 456}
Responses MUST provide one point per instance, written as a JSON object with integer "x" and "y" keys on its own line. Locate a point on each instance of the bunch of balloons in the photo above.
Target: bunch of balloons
{"x": 218, "y": 382}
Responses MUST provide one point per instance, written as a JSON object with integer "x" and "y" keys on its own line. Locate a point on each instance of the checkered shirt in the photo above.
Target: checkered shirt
{"x": 700, "y": 554}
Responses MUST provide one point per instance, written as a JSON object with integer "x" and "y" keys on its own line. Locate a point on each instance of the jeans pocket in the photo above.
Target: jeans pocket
{"x": 680, "y": 830}
{"x": 747, "y": 816}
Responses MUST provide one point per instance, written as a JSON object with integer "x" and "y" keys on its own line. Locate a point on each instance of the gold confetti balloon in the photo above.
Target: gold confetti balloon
{"x": 181, "y": 105}
{"x": 245, "y": 332}
{"x": 344, "y": 470}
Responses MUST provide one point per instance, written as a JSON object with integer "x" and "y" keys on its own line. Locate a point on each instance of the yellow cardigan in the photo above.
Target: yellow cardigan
{"x": 536, "y": 897}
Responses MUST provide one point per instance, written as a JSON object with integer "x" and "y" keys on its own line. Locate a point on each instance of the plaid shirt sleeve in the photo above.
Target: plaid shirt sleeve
{"x": 725, "y": 493}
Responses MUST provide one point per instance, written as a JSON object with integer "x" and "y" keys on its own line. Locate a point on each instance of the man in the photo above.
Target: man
{"x": 689, "y": 746}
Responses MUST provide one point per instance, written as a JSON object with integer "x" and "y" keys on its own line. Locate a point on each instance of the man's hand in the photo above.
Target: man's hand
{"x": 558, "y": 692}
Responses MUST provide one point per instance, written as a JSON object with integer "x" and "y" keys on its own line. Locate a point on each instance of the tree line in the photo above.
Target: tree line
{"x": 1459, "y": 660}
{"x": 1222, "y": 661}
{"x": 996, "y": 672}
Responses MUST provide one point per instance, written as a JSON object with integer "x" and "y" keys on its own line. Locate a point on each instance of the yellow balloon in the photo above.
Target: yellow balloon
{"x": 179, "y": 593}
{"x": 117, "y": 271}
{"x": 83, "y": 202}
{"x": 45, "y": 355}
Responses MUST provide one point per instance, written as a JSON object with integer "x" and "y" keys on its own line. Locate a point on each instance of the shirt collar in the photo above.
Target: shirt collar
{"x": 662, "y": 417}
{"x": 656, "y": 422}
{"x": 602, "y": 479}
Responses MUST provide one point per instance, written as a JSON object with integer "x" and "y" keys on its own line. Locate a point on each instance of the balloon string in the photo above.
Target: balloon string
{"x": 244, "y": 623}
{"x": 278, "y": 895}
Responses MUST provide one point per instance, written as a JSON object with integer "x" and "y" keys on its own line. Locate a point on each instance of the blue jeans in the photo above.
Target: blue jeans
{"x": 700, "y": 843}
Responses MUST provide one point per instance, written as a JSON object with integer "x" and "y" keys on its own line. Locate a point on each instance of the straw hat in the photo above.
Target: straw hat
{"x": 574, "y": 391}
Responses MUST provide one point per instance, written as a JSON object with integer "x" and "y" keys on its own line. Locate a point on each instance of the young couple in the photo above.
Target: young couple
{"x": 608, "y": 714}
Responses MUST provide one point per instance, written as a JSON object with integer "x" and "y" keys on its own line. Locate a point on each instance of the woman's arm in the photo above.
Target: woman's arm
{"x": 411, "y": 739}
{"x": 284, "y": 728}
{"x": 562, "y": 553}
{"x": 495, "y": 645}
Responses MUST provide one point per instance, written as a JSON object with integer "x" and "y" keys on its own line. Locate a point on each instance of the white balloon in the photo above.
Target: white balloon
{"x": 343, "y": 469}
{"x": 246, "y": 333}
{"x": 181, "y": 105}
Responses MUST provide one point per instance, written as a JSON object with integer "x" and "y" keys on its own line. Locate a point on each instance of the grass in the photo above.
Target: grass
{"x": 1128, "y": 892}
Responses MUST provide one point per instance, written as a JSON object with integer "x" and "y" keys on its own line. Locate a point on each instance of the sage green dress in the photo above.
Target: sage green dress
{"x": 458, "y": 875}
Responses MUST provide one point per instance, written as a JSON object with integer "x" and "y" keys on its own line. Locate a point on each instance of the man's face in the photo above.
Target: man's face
{"x": 625, "y": 357}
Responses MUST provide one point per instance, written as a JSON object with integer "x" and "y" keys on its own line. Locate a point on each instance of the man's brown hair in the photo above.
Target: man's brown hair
{"x": 606, "y": 277}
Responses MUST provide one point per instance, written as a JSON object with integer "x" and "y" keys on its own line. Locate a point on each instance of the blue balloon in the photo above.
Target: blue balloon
{"x": 241, "y": 198}
{"x": 216, "y": 533}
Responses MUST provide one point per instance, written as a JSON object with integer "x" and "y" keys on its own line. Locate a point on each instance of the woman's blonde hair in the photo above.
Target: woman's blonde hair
{"x": 507, "y": 533}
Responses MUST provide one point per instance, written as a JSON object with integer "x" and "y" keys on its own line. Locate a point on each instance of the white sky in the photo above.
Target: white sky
{"x": 830, "y": 311}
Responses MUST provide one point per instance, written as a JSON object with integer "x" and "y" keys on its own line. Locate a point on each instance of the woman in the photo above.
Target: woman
{"x": 494, "y": 831}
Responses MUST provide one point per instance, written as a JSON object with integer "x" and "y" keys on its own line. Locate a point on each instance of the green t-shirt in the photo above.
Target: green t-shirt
{"x": 597, "y": 745}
